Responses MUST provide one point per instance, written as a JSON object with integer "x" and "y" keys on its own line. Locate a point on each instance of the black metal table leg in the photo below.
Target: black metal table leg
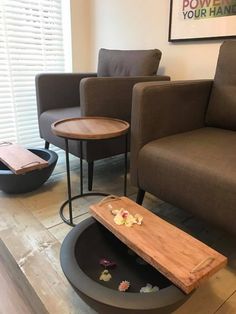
{"x": 69, "y": 201}
{"x": 82, "y": 194}
{"x": 126, "y": 166}
{"x": 81, "y": 167}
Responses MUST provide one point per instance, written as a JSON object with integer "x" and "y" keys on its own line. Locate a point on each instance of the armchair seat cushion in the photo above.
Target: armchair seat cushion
{"x": 50, "y": 116}
{"x": 195, "y": 171}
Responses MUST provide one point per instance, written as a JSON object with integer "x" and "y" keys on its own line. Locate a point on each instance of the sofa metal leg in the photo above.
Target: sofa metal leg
{"x": 140, "y": 196}
{"x": 46, "y": 145}
{"x": 90, "y": 175}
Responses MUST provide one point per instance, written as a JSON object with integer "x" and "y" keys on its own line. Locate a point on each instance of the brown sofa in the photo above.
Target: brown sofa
{"x": 105, "y": 93}
{"x": 183, "y": 142}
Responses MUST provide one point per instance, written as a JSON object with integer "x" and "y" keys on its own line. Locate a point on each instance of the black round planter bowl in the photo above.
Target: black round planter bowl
{"x": 22, "y": 183}
{"x": 81, "y": 252}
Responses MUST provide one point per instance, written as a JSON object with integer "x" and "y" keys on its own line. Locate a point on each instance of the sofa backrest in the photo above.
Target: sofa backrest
{"x": 128, "y": 62}
{"x": 222, "y": 105}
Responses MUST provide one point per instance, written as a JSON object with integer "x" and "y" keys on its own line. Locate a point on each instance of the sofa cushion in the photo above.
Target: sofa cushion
{"x": 128, "y": 62}
{"x": 222, "y": 106}
{"x": 195, "y": 171}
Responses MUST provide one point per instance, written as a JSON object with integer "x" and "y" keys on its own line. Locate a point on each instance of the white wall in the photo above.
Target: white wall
{"x": 143, "y": 24}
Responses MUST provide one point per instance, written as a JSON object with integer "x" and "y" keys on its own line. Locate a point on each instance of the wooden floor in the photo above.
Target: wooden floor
{"x": 32, "y": 230}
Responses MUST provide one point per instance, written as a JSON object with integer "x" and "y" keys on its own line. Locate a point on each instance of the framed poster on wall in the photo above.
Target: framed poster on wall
{"x": 202, "y": 19}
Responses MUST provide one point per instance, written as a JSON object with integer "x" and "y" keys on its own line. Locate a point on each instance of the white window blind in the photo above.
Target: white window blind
{"x": 31, "y": 42}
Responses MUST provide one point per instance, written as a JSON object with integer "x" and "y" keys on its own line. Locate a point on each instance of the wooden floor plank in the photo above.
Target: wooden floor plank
{"x": 37, "y": 252}
{"x": 210, "y": 295}
{"x": 16, "y": 293}
{"x": 61, "y": 230}
{"x": 229, "y": 307}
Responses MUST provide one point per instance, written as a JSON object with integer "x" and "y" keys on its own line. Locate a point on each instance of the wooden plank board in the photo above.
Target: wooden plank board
{"x": 19, "y": 159}
{"x": 181, "y": 258}
{"x": 17, "y": 295}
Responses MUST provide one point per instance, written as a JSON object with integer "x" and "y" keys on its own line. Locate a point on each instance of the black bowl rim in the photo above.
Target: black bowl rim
{"x": 79, "y": 280}
{"x": 52, "y": 159}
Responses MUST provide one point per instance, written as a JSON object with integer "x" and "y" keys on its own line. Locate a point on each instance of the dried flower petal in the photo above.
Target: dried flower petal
{"x": 105, "y": 275}
{"x": 123, "y": 217}
{"x": 130, "y": 220}
{"x": 107, "y": 263}
{"x": 124, "y": 214}
{"x": 118, "y": 219}
{"x": 138, "y": 218}
{"x": 124, "y": 285}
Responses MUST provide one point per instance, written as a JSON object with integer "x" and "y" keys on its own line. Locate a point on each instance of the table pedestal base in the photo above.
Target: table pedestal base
{"x": 84, "y": 130}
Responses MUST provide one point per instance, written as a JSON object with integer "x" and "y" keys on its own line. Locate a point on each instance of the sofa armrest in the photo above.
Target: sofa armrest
{"x": 58, "y": 90}
{"x": 165, "y": 108}
{"x": 110, "y": 96}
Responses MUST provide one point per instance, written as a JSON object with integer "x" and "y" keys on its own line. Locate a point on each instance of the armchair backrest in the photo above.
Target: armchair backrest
{"x": 128, "y": 62}
{"x": 222, "y": 105}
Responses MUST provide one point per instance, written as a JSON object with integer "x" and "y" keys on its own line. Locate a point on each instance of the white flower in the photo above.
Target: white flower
{"x": 149, "y": 288}
{"x": 105, "y": 275}
{"x": 123, "y": 217}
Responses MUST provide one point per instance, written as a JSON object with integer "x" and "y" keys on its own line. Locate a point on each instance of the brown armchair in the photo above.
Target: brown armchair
{"x": 105, "y": 93}
{"x": 183, "y": 142}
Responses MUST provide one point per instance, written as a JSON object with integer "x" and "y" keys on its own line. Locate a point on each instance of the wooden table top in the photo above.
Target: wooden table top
{"x": 16, "y": 293}
{"x": 90, "y": 128}
{"x": 183, "y": 259}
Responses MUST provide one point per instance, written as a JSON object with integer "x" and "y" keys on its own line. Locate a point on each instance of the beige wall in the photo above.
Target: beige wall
{"x": 81, "y": 35}
{"x": 139, "y": 24}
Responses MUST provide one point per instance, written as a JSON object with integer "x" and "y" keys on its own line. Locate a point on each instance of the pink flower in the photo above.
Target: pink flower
{"x": 124, "y": 214}
{"x": 124, "y": 285}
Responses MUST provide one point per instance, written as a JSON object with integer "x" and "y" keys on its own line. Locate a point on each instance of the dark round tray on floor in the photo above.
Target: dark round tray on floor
{"x": 22, "y": 183}
{"x": 81, "y": 252}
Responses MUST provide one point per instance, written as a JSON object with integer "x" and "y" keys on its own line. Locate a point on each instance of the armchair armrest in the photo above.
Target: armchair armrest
{"x": 165, "y": 108}
{"x": 110, "y": 96}
{"x": 58, "y": 90}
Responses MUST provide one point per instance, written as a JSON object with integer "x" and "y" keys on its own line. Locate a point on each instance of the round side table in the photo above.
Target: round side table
{"x": 88, "y": 129}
